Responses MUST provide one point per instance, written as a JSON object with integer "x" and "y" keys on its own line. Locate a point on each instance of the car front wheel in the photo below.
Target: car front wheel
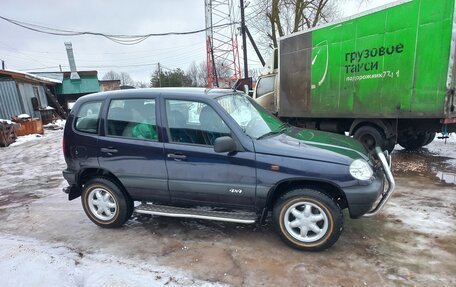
{"x": 307, "y": 219}
{"x": 105, "y": 203}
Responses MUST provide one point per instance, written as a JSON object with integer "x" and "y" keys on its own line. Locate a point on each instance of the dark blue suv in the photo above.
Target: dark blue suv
{"x": 216, "y": 154}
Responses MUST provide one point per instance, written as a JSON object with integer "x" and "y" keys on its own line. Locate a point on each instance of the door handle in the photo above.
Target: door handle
{"x": 177, "y": 156}
{"x": 109, "y": 150}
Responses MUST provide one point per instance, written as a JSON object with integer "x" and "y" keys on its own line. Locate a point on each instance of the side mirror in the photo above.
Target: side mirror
{"x": 224, "y": 144}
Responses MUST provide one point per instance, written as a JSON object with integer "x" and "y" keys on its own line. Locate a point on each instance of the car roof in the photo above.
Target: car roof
{"x": 181, "y": 92}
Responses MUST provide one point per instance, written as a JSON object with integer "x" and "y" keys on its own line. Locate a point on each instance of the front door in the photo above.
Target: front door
{"x": 130, "y": 149}
{"x": 196, "y": 173}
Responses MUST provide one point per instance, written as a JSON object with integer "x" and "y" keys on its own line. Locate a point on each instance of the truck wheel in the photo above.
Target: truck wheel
{"x": 414, "y": 142}
{"x": 307, "y": 219}
{"x": 430, "y": 139}
{"x": 105, "y": 203}
{"x": 370, "y": 137}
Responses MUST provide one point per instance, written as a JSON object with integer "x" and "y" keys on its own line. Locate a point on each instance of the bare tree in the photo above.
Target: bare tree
{"x": 192, "y": 73}
{"x": 289, "y": 16}
{"x": 111, "y": 75}
{"x": 125, "y": 79}
{"x": 202, "y": 74}
{"x": 254, "y": 74}
{"x": 276, "y": 18}
{"x": 197, "y": 74}
{"x": 141, "y": 84}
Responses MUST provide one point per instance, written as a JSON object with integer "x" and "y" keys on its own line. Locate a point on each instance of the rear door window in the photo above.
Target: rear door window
{"x": 88, "y": 117}
{"x": 132, "y": 118}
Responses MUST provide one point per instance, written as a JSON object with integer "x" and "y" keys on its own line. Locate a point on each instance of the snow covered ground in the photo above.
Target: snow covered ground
{"x": 30, "y": 262}
{"x": 30, "y": 172}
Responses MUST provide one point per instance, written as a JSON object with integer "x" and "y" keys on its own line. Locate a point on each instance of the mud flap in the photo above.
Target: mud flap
{"x": 73, "y": 191}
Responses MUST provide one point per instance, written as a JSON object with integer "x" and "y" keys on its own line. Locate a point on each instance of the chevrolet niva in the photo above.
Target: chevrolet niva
{"x": 216, "y": 154}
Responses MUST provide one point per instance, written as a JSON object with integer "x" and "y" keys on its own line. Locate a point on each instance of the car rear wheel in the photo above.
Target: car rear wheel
{"x": 307, "y": 219}
{"x": 105, "y": 203}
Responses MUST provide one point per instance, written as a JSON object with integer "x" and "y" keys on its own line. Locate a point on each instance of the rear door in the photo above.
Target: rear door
{"x": 81, "y": 138}
{"x": 130, "y": 148}
{"x": 197, "y": 174}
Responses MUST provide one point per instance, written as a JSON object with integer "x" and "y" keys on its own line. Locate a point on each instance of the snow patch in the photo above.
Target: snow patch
{"x": 451, "y": 137}
{"x": 27, "y": 138}
{"x": 57, "y": 124}
{"x": 8, "y": 122}
{"x": 24, "y": 116}
{"x": 426, "y": 216}
{"x": 29, "y": 262}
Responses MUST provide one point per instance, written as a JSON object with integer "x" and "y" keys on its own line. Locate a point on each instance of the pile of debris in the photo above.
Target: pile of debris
{"x": 28, "y": 125}
{"x": 8, "y": 133}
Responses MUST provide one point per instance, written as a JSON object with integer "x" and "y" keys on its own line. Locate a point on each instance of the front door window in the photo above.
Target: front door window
{"x": 194, "y": 123}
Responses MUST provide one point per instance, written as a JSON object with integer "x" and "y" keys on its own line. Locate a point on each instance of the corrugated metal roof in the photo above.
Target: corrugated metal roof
{"x": 58, "y": 76}
{"x": 28, "y": 77}
{"x": 10, "y": 103}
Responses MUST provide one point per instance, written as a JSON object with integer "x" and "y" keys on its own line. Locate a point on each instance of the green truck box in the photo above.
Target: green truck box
{"x": 386, "y": 76}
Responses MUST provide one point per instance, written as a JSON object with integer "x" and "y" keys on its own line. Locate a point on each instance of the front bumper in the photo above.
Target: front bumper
{"x": 386, "y": 165}
{"x": 362, "y": 198}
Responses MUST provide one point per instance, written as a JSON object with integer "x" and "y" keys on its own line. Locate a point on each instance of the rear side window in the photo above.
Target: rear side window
{"x": 88, "y": 117}
{"x": 132, "y": 118}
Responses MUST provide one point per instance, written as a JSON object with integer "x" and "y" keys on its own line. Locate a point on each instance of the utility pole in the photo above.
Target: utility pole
{"x": 159, "y": 75}
{"x": 244, "y": 42}
{"x": 3, "y": 65}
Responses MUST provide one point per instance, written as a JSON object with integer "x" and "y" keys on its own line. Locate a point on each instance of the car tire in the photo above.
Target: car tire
{"x": 105, "y": 203}
{"x": 308, "y": 219}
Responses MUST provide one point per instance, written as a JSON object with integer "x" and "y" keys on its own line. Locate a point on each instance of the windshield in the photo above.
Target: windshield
{"x": 255, "y": 121}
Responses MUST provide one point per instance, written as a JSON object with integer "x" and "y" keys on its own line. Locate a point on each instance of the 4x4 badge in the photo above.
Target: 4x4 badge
{"x": 235, "y": 190}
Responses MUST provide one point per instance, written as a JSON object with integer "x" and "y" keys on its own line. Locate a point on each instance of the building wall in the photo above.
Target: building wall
{"x": 27, "y": 93}
{"x": 110, "y": 85}
{"x": 86, "y": 85}
{"x": 10, "y": 102}
{"x": 16, "y": 98}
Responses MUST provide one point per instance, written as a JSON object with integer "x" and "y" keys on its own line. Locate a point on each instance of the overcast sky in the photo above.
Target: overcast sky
{"x": 22, "y": 49}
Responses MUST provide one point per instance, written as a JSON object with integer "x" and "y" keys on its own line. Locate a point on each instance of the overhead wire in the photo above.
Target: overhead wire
{"x": 123, "y": 39}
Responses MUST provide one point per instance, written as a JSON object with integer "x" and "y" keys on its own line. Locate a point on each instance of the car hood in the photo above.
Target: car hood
{"x": 312, "y": 145}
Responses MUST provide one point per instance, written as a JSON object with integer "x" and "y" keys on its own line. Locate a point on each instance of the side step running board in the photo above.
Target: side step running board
{"x": 237, "y": 217}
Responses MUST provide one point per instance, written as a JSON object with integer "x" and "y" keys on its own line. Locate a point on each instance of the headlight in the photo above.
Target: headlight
{"x": 361, "y": 170}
